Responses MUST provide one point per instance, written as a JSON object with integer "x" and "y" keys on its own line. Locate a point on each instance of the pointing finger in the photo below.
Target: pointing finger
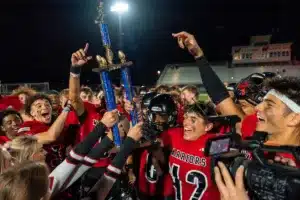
{"x": 180, "y": 34}
{"x": 81, "y": 51}
{"x": 180, "y": 42}
{"x": 78, "y": 55}
{"x": 86, "y": 47}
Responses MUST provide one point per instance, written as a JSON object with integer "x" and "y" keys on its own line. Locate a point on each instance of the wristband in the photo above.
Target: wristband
{"x": 67, "y": 109}
{"x": 68, "y": 104}
{"x": 75, "y": 70}
{"x": 75, "y": 75}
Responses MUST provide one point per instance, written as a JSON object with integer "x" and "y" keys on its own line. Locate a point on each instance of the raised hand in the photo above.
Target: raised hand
{"x": 80, "y": 58}
{"x": 187, "y": 40}
{"x": 228, "y": 189}
{"x": 136, "y": 132}
{"x": 110, "y": 118}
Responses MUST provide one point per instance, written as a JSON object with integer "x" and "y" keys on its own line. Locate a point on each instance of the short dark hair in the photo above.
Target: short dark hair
{"x": 288, "y": 86}
{"x": 201, "y": 109}
{"x": 87, "y": 90}
{"x": 7, "y": 112}
{"x": 64, "y": 92}
{"x": 32, "y": 99}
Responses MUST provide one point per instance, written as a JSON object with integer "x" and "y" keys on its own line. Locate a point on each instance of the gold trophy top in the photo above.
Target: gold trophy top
{"x": 122, "y": 57}
{"x": 101, "y": 61}
{"x": 109, "y": 55}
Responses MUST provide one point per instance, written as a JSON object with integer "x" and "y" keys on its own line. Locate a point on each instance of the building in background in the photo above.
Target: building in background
{"x": 258, "y": 57}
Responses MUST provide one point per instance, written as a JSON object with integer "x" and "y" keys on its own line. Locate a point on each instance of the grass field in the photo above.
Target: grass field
{"x": 203, "y": 97}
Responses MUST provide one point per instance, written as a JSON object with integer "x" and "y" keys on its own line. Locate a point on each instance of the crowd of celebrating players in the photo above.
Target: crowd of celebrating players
{"x": 61, "y": 146}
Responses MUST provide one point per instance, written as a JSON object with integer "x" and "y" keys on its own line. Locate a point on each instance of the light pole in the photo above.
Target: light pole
{"x": 120, "y": 8}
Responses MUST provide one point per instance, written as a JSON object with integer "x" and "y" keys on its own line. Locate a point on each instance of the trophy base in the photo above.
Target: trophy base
{"x": 113, "y": 67}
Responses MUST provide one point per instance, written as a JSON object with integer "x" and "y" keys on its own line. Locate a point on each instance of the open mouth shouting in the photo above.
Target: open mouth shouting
{"x": 46, "y": 116}
{"x": 261, "y": 122}
{"x": 188, "y": 132}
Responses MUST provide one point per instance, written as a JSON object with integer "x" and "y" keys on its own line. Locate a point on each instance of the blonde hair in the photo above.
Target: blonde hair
{"x": 162, "y": 89}
{"x": 24, "y": 90}
{"x": 64, "y": 93}
{"x": 175, "y": 93}
{"x": 26, "y": 181}
{"x": 20, "y": 149}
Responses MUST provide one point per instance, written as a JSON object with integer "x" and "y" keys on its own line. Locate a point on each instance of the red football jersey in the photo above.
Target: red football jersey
{"x": 123, "y": 112}
{"x": 3, "y": 139}
{"x": 92, "y": 117}
{"x": 10, "y": 102}
{"x": 55, "y": 151}
{"x": 150, "y": 183}
{"x": 190, "y": 169}
{"x": 248, "y": 125}
{"x": 72, "y": 118}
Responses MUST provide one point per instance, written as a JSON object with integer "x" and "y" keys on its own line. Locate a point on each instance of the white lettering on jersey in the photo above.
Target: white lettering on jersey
{"x": 188, "y": 158}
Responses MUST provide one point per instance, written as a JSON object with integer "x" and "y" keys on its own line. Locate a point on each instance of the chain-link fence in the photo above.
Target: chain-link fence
{"x": 7, "y": 88}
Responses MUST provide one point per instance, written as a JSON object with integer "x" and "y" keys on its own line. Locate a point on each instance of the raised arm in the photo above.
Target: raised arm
{"x": 212, "y": 83}
{"x": 78, "y": 59}
{"x": 52, "y": 133}
{"x": 55, "y": 129}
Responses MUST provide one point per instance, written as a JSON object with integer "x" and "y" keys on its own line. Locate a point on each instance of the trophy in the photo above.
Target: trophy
{"x": 126, "y": 79}
{"x": 105, "y": 65}
{"x": 123, "y": 65}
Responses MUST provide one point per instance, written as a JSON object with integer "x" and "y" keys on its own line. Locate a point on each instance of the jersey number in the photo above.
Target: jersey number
{"x": 151, "y": 173}
{"x": 193, "y": 177}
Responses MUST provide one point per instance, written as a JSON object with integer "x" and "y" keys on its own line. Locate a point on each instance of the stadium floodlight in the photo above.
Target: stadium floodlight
{"x": 119, "y": 7}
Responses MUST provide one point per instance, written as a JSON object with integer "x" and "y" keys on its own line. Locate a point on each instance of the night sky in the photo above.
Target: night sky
{"x": 38, "y": 36}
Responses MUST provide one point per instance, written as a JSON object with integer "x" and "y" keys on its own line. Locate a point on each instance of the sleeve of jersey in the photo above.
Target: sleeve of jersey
{"x": 90, "y": 140}
{"x": 62, "y": 175}
{"x": 212, "y": 83}
{"x": 114, "y": 169}
{"x": 93, "y": 156}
